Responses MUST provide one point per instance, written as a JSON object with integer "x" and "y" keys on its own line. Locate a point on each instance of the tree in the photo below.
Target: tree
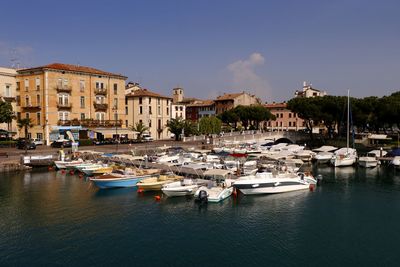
{"x": 6, "y": 113}
{"x": 257, "y": 114}
{"x": 210, "y": 125}
{"x": 229, "y": 117}
{"x": 25, "y": 124}
{"x": 140, "y": 128}
{"x": 308, "y": 109}
{"x": 176, "y": 126}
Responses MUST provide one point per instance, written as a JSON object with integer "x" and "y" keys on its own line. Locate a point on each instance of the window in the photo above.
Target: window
{"x": 100, "y": 116}
{"x": 39, "y": 136}
{"x": 7, "y": 90}
{"x": 82, "y": 116}
{"x": 150, "y": 110}
{"x": 140, "y": 110}
{"x": 38, "y": 100}
{"x": 37, "y": 83}
{"x": 290, "y": 115}
{"x": 115, "y": 88}
{"x": 149, "y": 123}
{"x": 126, "y": 123}
{"x": 100, "y": 85}
{"x": 82, "y": 85}
{"x": 38, "y": 118}
{"x": 27, "y": 115}
{"x": 181, "y": 108}
{"x": 159, "y": 124}
{"x": 59, "y": 83}
{"x": 159, "y": 110}
{"x": 281, "y": 124}
{"x": 26, "y": 84}
{"x": 140, "y": 100}
{"x": 63, "y": 99}
{"x": 29, "y": 136}
{"x": 167, "y": 111}
{"x": 18, "y": 86}
{"x": 158, "y": 101}
{"x": 149, "y": 100}
{"x": 116, "y": 116}
{"x": 100, "y": 100}
{"x": 290, "y": 124}
{"x": 27, "y": 102}
{"x": 18, "y": 100}
{"x": 115, "y": 103}
{"x": 63, "y": 115}
{"x": 126, "y": 101}
{"x": 294, "y": 124}
{"x": 126, "y": 110}
{"x": 176, "y": 108}
{"x": 82, "y": 101}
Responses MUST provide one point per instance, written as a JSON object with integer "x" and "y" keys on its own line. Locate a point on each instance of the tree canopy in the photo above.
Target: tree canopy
{"x": 248, "y": 116}
{"x": 210, "y": 125}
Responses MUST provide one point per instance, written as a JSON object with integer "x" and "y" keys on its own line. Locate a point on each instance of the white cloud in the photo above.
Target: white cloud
{"x": 245, "y": 77}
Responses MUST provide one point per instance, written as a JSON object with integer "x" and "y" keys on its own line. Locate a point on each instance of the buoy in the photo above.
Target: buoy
{"x": 62, "y": 171}
{"x": 157, "y": 198}
{"x": 71, "y": 172}
{"x": 312, "y": 187}
{"x": 50, "y": 168}
{"x": 140, "y": 191}
{"x": 234, "y": 193}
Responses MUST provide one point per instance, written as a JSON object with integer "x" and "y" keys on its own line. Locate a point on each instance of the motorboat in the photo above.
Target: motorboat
{"x": 305, "y": 155}
{"x": 97, "y": 170}
{"x": 156, "y": 183}
{"x": 323, "y": 157}
{"x": 270, "y": 182}
{"x": 344, "y": 157}
{"x": 371, "y": 159}
{"x": 62, "y": 164}
{"x": 114, "y": 180}
{"x": 396, "y": 162}
{"x": 218, "y": 188}
{"x": 186, "y": 187}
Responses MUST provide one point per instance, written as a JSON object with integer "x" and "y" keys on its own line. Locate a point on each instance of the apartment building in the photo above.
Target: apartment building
{"x": 285, "y": 119}
{"x": 8, "y": 85}
{"x": 150, "y": 108}
{"x": 230, "y": 101}
{"x": 200, "y": 109}
{"x": 62, "y": 97}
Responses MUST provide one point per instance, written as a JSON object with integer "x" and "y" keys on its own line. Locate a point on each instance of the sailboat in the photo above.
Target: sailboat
{"x": 345, "y": 156}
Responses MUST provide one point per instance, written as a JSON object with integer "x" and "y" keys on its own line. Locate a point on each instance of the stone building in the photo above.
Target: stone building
{"x": 230, "y": 101}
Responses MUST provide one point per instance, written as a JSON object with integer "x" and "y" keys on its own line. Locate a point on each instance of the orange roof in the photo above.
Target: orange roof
{"x": 228, "y": 96}
{"x": 276, "y": 105}
{"x": 73, "y": 68}
{"x": 145, "y": 93}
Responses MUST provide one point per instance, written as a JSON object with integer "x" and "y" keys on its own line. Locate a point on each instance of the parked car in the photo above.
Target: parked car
{"x": 62, "y": 143}
{"x": 37, "y": 142}
{"x": 22, "y": 144}
{"x": 147, "y": 138}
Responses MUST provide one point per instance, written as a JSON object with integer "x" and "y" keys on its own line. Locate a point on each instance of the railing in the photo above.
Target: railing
{"x": 64, "y": 105}
{"x": 100, "y": 91}
{"x": 90, "y": 123}
{"x": 9, "y": 98}
{"x": 31, "y": 106}
{"x": 100, "y": 106}
{"x": 63, "y": 88}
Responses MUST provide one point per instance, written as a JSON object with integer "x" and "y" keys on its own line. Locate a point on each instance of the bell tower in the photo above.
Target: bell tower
{"x": 177, "y": 94}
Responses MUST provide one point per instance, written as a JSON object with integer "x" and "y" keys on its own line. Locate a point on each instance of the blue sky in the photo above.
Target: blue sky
{"x": 212, "y": 47}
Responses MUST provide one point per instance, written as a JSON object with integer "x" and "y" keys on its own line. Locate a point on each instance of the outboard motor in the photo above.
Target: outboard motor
{"x": 202, "y": 197}
{"x": 319, "y": 179}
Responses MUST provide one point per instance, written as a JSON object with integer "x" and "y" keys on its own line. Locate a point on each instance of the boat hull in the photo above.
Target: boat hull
{"x": 215, "y": 197}
{"x": 180, "y": 191}
{"x": 117, "y": 182}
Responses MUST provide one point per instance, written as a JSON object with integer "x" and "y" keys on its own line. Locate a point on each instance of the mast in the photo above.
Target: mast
{"x": 348, "y": 119}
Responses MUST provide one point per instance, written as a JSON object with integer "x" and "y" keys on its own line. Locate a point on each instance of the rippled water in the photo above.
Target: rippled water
{"x": 50, "y": 218}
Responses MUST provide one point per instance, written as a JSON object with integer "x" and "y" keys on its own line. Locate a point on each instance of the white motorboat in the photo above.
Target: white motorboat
{"x": 218, "y": 188}
{"x": 371, "y": 159}
{"x": 305, "y": 155}
{"x": 271, "y": 183}
{"x": 62, "y": 164}
{"x": 396, "y": 162}
{"x": 323, "y": 157}
{"x": 186, "y": 187}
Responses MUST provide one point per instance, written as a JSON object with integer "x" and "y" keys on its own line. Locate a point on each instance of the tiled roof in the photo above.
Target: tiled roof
{"x": 73, "y": 68}
{"x": 146, "y": 93}
{"x": 203, "y": 103}
{"x": 228, "y": 96}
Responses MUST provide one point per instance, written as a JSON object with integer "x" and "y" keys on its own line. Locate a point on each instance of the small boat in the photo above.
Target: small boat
{"x": 344, "y": 157}
{"x": 323, "y": 157}
{"x": 218, "y": 188}
{"x": 396, "y": 162}
{"x": 61, "y": 164}
{"x": 114, "y": 180}
{"x": 186, "y": 187}
{"x": 267, "y": 182}
{"x": 305, "y": 155}
{"x": 371, "y": 159}
{"x": 96, "y": 170}
{"x": 156, "y": 183}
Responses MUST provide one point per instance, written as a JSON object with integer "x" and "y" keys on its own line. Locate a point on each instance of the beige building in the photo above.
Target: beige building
{"x": 309, "y": 91}
{"x": 285, "y": 118}
{"x": 61, "y": 97}
{"x": 152, "y": 109}
{"x": 8, "y": 84}
{"x": 230, "y": 101}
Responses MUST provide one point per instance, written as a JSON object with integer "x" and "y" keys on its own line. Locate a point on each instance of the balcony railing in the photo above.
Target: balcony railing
{"x": 31, "y": 106}
{"x": 64, "y": 105}
{"x": 100, "y": 91}
{"x": 100, "y": 106}
{"x": 90, "y": 123}
{"x": 9, "y": 98}
{"x": 63, "y": 88}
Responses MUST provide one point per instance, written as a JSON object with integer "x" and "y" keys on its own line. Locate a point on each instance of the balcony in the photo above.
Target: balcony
{"x": 31, "y": 107}
{"x": 100, "y": 106}
{"x": 63, "y": 88}
{"x": 64, "y": 105}
{"x": 9, "y": 98}
{"x": 100, "y": 91}
{"x": 90, "y": 123}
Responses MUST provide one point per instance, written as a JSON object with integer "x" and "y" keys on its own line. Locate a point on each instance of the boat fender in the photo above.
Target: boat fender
{"x": 157, "y": 198}
{"x": 71, "y": 172}
{"x": 312, "y": 187}
{"x": 140, "y": 191}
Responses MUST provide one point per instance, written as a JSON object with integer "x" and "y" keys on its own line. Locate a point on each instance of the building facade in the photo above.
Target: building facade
{"x": 309, "y": 91}
{"x": 62, "y": 97}
{"x": 152, "y": 109}
{"x": 285, "y": 119}
{"x": 230, "y": 101}
{"x": 178, "y": 111}
{"x": 8, "y": 85}
{"x": 200, "y": 109}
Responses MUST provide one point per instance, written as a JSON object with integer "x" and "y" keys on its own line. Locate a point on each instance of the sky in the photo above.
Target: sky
{"x": 267, "y": 48}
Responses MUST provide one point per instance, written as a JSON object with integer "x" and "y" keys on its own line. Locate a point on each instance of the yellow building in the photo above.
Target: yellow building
{"x": 8, "y": 86}
{"x": 150, "y": 108}
{"x": 61, "y": 97}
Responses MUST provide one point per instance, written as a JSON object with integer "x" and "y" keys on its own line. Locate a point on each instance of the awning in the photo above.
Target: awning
{"x": 109, "y": 132}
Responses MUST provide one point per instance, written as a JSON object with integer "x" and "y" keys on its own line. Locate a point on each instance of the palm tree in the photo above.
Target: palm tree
{"x": 140, "y": 128}
{"x": 26, "y": 124}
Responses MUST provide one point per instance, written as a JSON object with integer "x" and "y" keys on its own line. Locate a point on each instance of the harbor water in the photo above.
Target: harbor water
{"x": 58, "y": 219}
